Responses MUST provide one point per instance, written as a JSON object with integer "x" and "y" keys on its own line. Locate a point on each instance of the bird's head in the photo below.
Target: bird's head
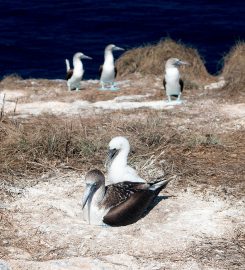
{"x": 94, "y": 179}
{"x": 116, "y": 145}
{"x": 175, "y": 62}
{"x": 80, "y": 55}
{"x": 113, "y": 47}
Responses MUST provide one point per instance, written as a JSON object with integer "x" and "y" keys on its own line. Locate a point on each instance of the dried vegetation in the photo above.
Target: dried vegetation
{"x": 49, "y": 143}
{"x": 234, "y": 70}
{"x": 151, "y": 59}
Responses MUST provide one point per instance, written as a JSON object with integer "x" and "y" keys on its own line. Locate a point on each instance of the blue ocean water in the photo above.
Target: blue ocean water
{"x": 37, "y": 35}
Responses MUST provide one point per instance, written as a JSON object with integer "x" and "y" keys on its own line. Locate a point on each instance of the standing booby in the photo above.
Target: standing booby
{"x": 172, "y": 82}
{"x": 108, "y": 70}
{"x": 74, "y": 76}
{"x": 117, "y": 204}
{"x": 118, "y": 169}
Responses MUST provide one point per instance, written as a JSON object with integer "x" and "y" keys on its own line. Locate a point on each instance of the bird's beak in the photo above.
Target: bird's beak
{"x": 87, "y": 197}
{"x": 112, "y": 153}
{"x": 88, "y": 194}
{"x": 118, "y": 49}
{"x": 184, "y": 63}
{"x": 87, "y": 57}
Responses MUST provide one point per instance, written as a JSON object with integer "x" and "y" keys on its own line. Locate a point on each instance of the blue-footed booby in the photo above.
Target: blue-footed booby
{"x": 75, "y": 75}
{"x": 108, "y": 71}
{"x": 118, "y": 204}
{"x": 118, "y": 169}
{"x": 172, "y": 82}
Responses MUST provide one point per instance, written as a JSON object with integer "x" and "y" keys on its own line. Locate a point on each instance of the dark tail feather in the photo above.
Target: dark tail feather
{"x": 160, "y": 185}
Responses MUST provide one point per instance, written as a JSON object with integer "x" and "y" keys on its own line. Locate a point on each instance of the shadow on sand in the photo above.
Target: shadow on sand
{"x": 156, "y": 201}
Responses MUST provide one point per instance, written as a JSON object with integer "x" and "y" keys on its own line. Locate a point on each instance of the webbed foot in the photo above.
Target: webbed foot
{"x": 114, "y": 88}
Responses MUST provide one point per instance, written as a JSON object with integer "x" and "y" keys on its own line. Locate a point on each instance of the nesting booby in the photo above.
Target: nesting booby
{"x": 172, "y": 82}
{"x": 117, "y": 204}
{"x": 108, "y": 71}
{"x": 75, "y": 75}
{"x": 118, "y": 169}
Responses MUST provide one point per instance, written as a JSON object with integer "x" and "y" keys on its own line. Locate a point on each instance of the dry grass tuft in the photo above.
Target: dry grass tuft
{"x": 47, "y": 143}
{"x": 150, "y": 60}
{"x": 44, "y": 143}
{"x": 11, "y": 78}
{"x": 234, "y": 70}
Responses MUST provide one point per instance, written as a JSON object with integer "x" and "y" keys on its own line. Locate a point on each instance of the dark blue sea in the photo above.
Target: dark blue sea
{"x": 36, "y": 36}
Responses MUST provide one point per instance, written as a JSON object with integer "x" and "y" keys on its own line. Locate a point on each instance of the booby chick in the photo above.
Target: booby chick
{"x": 118, "y": 204}
{"x": 75, "y": 75}
{"x": 108, "y": 71}
{"x": 116, "y": 163}
{"x": 172, "y": 82}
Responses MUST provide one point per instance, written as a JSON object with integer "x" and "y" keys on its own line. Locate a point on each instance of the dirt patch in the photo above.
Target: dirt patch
{"x": 33, "y": 90}
{"x": 47, "y": 225}
{"x": 235, "y": 110}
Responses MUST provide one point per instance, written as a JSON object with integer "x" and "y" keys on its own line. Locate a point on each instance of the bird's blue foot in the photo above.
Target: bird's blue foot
{"x": 109, "y": 86}
{"x": 114, "y": 88}
{"x": 175, "y": 102}
{"x": 103, "y": 89}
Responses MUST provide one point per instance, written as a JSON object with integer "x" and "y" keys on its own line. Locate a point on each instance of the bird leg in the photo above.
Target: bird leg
{"x": 69, "y": 86}
{"x": 78, "y": 86}
{"x": 169, "y": 99}
{"x": 108, "y": 86}
{"x": 113, "y": 87}
{"x": 102, "y": 85}
{"x": 178, "y": 99}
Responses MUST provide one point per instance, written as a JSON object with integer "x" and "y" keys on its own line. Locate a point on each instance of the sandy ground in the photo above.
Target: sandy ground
{"x": 175, "y": 234}
{"x": 185, "y": 229}
{"x": 24, "y": 104}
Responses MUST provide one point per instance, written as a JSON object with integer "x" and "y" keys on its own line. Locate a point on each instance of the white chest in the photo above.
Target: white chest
{"x": 78, "y": 70}
{"x": 116, "y": 173}
{"x": 172, "y": 75}
{"x": 96, "y": 214}
{"x": 108, "y": 72}
{"x": 172, "y": 81}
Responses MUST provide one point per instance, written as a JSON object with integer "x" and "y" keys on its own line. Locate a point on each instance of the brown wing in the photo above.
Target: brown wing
{"x": 69, "y": 74}
{"x": 164, "y": 83}
{"x": 100, "y": 70}
{"x": 130, "y": 201}
{"x": 115, "y": 69}
{"x": 120, "y": 192}
{"x": 130, "y": 210}
{"x": 181, "y": 85}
